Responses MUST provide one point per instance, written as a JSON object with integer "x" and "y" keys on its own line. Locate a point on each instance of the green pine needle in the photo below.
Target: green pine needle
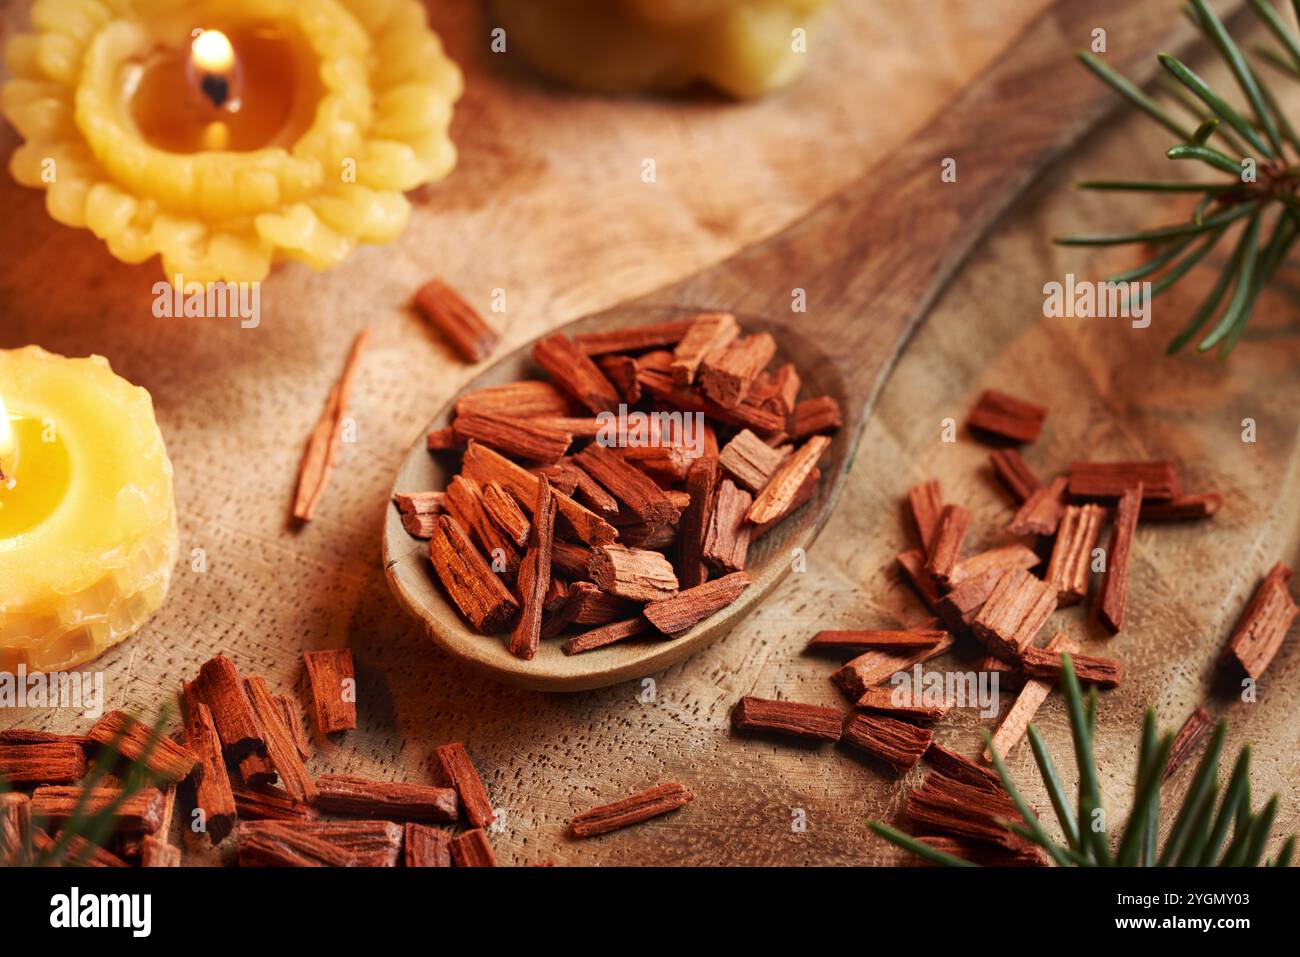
{"x": 1284, "y": 856}
{"x": 1138, "y": 186}
{"x": 919, "y": 848}
{"x": 1240, "y": 69}
{"x": 1163, "y": 233}
{"x": 1129, "y": 91}
{"x": 1190, "y": 260}
{"x": 93, "y": 829}
{"x": 1220, "y": 107}
{"x": 1240, "y": 295}
{"x": 1278, "y": 28}
{"x": 1263, "y": 177}
{"x": 1206, "y": 154}
{"x": 1198, "y": 833}
{"x": 1056, "y": 793}
{"x": 1032, "y": 826}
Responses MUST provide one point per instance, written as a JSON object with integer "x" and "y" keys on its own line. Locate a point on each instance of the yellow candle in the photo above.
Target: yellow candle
{"x": 88, "y": 533}
{"x": 340, "y": 107}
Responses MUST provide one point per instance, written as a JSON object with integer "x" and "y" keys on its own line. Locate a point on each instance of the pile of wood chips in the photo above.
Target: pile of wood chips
{"x": 240, "y": 768}
{"x": 1000, "y": 600}
{"x": 239, "y": 739}
{"x": 621, "y": 497}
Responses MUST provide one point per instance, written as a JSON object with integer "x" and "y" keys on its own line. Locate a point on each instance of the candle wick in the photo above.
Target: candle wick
{"x": 216, "y": 88}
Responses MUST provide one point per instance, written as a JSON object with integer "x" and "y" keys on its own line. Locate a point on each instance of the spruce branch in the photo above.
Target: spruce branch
{"x": 1203, "y": 825}
{"x": 1255, "y": 145}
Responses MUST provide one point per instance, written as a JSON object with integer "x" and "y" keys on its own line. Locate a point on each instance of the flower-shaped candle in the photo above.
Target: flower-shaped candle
{"x": 224, "y": 134}
{"x": 87, "y": 521}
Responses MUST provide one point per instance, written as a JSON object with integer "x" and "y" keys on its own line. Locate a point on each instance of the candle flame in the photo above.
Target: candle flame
{"x": 212, "y": 52}
{"x": 6, "y": 431}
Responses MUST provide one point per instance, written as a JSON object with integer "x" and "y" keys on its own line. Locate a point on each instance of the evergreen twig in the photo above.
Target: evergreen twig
{"x": 1264, "y": 175}
{"x": 1202, "y": 825}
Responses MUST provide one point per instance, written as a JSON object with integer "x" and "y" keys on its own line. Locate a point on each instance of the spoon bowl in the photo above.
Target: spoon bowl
{"x": 411, "y": 576}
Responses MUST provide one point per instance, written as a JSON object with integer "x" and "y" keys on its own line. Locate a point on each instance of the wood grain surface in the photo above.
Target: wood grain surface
{"x": 548, "y": 204}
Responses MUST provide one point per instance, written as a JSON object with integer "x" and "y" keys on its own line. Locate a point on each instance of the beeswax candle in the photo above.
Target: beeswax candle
{"x": 299, "y": 147}
{"x": 88, "y": 532}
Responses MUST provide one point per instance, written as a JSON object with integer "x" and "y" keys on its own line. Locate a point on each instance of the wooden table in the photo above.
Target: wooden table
{"x": 548, "y": 204}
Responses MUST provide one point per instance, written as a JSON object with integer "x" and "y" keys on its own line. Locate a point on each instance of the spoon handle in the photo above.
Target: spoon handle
{"x": 872, "y": 259}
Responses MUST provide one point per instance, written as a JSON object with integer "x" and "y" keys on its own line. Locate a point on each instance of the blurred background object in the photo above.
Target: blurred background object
{"x": 744, "y": 48}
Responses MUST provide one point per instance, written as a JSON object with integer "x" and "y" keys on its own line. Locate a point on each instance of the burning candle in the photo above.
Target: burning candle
{"x": 214, "y": 69}
{"x": 192, "y": 99}
{"x": 223, "y": 136}
{"x": 88, "y": 532}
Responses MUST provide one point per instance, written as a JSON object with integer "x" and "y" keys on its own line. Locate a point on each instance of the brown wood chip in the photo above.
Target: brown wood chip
{"x": 653, "y": 335}
{"x": 1046, "y": 664}
{"x": 471, "y": 849}
{"x": 750, "y": 460}
{"x": 897, "y": 703}
{"x": 879, "y": 665}
{"x": 460, "y": 772}
{"x": 1041, "y": 512}
{"x": 535, "y": 574}
{"x": 926, "y": 503}
{"x": 632, "y": 573}
{"x": 946, "y": 545}
{"x": 1014, "y": 473}
{"x": 1007, "y": 417}
{"x": 860, "y": 640}
{"x": 280, "y": 746}
{"x": 1263, "y": 625}
{"x": 813, "y": 416}
{"x": 141, "y": 811}
{"x": 897, "y": 743}
{"x": 427, "y": 846}
{"x": 419, "y": 511}
{"x": 708, "y": 333}
{"x": 391, "y": 800}
{"x": 322, "y": 449}
{"x": 332, "y": 677}
{"x": 470, "y": 582}
{"x": 456, "y": 319}
{"x": 658, "y": 800}
{"x": 575, "y": 373}
{"x": 809, "y": 721}
{"x": 727, "y": 537}
{"x": 1185, "y": 742}
{"x": 1070, "y": 569}
{"x": 775, "y": 499}
{"x": 1113, "y": 597}
{"x": 688, "y": 608}
{"x": 1109, "y": 480}
{"x": 1015, "y": 611}
{"x": 605, "y": 635}
{"x": 49, "y": 762}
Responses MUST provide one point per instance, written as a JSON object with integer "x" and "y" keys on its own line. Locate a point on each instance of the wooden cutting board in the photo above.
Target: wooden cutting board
{"x": 548, "y": 204}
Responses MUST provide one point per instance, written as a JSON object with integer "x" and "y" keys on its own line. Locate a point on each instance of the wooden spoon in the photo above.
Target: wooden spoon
{"x": 867, "y": 264}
